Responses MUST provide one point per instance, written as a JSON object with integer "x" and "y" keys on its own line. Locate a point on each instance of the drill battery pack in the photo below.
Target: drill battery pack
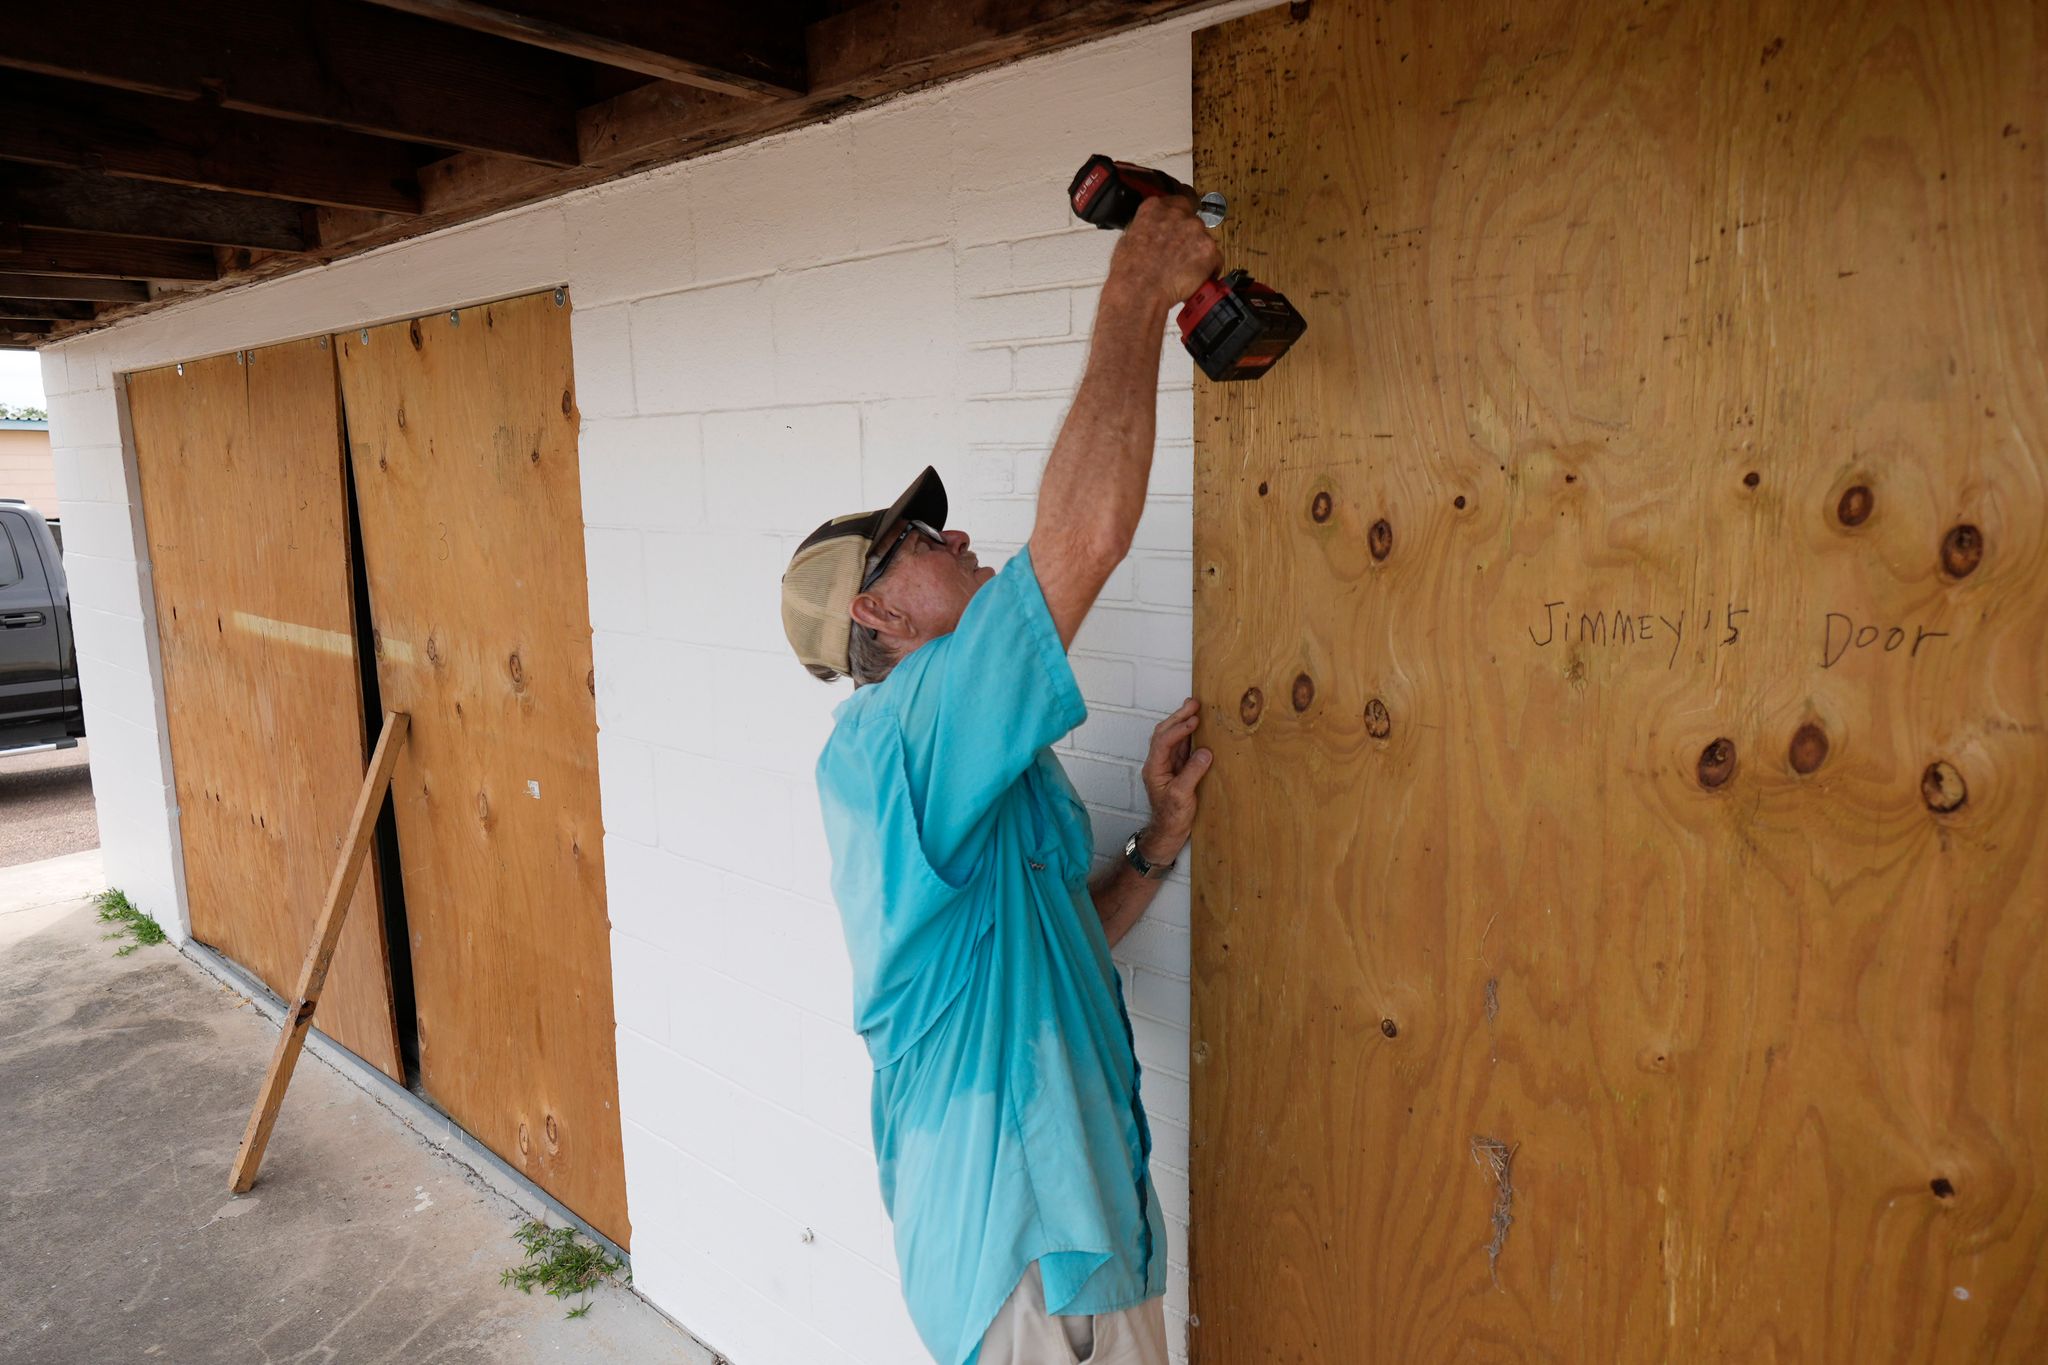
{"x": 1235, "y": 327}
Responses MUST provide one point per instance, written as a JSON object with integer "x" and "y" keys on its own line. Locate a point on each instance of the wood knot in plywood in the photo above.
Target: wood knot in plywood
{"x": 1809, "y": 748}
{"x": 1319, "y": 508}
{"x": 1717, "y": 763}
{"x": 1942, "y": 787}
{"x": 1962, "y": 549}
{"x": 1304, "y": 691}
{"x": 1856, "y": 504}
{"x": 1379, "y": 539}
{"x": 1378, "y": 723}
{"x": 516, "y": 671}
{"x": 1251, "y": 706}
{"x": 483, "y": 809}
{"x": 413, "y": 332}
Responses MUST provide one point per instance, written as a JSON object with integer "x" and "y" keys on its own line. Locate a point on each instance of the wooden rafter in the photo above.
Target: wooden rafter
{"x": 57, "y": 123}
{"x": 855, "y": 55}
{"x": 325, "y": 61}
{"x": 41, "y": 251}
{"x": 56, "y": 310}
{"x": 70, "y": 287}
{"x": 746, "y": 50}
{"x": 84, "y": 202}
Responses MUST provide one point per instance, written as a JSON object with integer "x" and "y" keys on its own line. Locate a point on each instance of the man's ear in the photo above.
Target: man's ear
{"x": 871, "y": 611}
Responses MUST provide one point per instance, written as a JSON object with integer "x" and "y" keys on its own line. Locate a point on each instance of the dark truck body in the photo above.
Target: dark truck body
{"x": 39, "y": 699}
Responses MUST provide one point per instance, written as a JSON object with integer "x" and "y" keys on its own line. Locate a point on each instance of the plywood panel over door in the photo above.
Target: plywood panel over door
{"x": 464, "y": 436}
{"x": 1623, "y": 625}
{"x": 245, "y": 507}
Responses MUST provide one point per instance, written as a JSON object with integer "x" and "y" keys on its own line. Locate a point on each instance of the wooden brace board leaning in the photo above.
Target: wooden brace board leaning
{"x": 320, "y": 952}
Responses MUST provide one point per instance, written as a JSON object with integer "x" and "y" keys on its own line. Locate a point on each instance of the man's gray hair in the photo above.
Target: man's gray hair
{"x": 868, "y": 659}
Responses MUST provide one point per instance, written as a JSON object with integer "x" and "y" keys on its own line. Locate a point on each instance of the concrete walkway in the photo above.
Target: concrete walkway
{"x": 124, "y": 1086}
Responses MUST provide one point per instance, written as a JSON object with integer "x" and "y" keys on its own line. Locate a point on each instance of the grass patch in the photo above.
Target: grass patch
{"x": 560, "y": 1262}
{"x": 139, "y": 929}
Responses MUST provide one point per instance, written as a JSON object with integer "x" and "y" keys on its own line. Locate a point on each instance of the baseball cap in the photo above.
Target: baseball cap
{"x": 824, "y": 574}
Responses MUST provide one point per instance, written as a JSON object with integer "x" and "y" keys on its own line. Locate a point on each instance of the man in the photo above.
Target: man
{"x": 1012, "y": 1142}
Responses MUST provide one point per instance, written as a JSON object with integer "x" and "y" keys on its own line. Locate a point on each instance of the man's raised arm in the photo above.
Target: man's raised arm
{"x": 1094, "y": 485}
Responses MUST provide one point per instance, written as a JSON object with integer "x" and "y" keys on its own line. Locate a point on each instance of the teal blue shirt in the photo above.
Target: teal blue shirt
{"x": 1006, "y": 1113}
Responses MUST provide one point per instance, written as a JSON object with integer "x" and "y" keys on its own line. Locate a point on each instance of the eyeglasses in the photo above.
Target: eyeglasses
{"x": 882, "y": 564}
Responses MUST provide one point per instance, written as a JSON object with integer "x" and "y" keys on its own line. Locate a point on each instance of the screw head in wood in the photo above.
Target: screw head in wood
{"x": 455, "y": 319}
{"x": 561, "y": 297}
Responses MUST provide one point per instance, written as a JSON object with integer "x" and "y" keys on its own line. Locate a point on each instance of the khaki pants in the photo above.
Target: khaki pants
{"x": 1025, "y": 1334}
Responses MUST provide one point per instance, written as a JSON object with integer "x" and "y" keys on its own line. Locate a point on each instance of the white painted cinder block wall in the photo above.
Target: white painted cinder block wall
{"x": 762, "y": 338}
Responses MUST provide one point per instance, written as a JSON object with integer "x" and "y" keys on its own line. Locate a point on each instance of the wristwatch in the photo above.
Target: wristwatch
{"x": 1156, "y": 871}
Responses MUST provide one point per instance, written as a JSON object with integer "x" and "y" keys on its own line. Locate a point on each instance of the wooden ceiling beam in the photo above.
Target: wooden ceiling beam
{"x": 57, "y": 310}
{"x": 749, "y": 50}
{"x": 82, "y": 202}
{"x": 870, "y": 51}
{"x": 24, "y": 326}
{"x": 41, "y": 251}
{"x": 72, "y": 287}
{"x": 56, "y": 123}
{"x": 321, "y": 61}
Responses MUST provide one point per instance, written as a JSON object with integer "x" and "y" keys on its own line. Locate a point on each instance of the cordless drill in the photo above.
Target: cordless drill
{"x": 1233, "y": 326}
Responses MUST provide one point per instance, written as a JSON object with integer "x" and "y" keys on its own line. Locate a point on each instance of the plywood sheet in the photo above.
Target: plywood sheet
{"x": 464, "y": 430}
{"x": 246, "y": 513}
{"x": 1623, "y": 627}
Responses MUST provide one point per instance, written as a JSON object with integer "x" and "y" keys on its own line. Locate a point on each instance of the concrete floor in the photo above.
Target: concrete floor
{"x": 46, "y": 805}
{"x": 124, "y": 1086}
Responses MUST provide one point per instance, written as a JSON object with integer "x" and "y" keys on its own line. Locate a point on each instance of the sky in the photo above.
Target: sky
{"x": 21, "y": 379}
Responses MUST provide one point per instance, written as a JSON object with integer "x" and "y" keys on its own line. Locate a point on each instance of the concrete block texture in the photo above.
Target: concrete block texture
{"x": 763, "y": 338}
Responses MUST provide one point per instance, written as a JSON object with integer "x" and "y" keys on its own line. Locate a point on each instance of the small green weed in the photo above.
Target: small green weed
{"x": 130, "y": 923}
{"x": 561, "y": 1262}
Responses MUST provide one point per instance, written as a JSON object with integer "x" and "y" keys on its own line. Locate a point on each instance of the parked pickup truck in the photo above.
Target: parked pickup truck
{"x": 39, "y": 702}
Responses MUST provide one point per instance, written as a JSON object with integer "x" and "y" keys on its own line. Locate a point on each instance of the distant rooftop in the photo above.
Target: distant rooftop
{"x": 16, "y": 424}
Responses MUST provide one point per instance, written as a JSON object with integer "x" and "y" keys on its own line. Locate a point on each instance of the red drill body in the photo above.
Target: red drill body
{"x": 1234, "y": 327}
